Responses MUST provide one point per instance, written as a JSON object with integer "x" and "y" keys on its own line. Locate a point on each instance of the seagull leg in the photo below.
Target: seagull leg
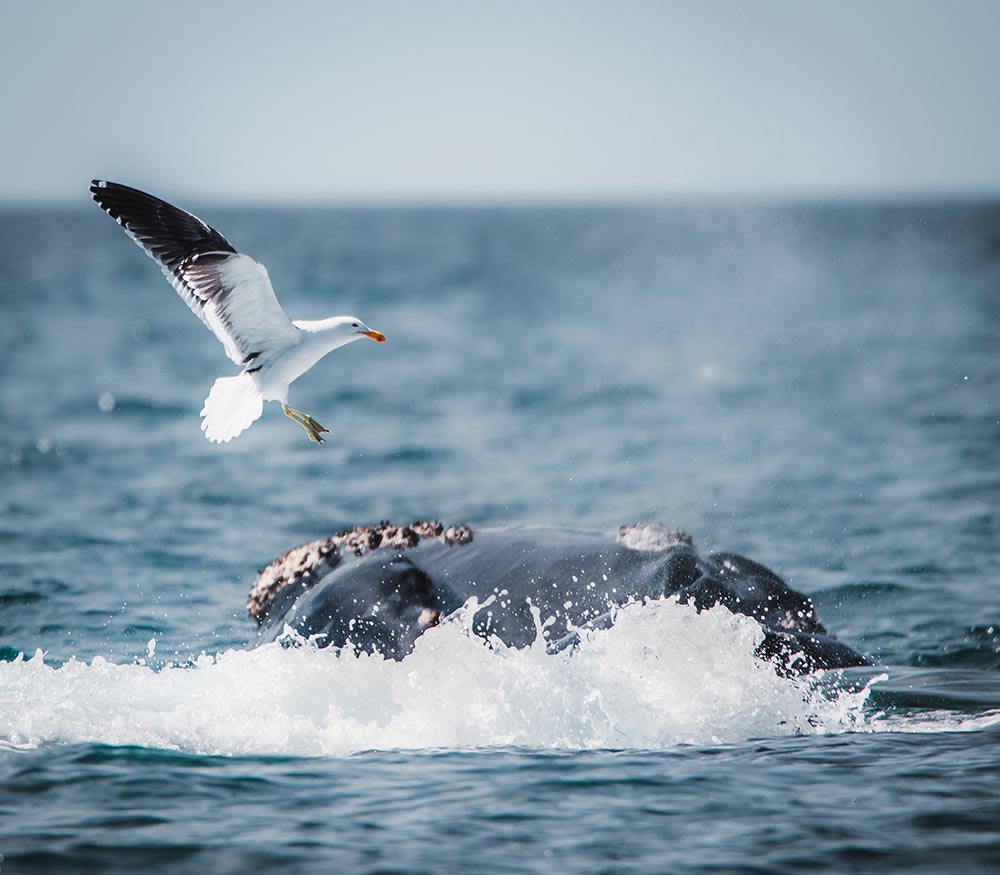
{"x": 307, "y": 422}
{"x": 312, "y": 428}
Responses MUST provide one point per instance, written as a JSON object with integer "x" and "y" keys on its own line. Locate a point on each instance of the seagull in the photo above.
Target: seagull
{"x": 231, "y": 293}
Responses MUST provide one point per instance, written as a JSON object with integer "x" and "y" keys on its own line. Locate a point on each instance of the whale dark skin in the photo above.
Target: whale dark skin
{"x": 377, "y": 589}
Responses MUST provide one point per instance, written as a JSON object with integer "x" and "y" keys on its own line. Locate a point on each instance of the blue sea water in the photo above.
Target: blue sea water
{"x": 816, "y": 386}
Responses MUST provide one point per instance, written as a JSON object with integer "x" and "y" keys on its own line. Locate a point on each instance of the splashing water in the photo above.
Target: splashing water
{"x": 663, "y": 675}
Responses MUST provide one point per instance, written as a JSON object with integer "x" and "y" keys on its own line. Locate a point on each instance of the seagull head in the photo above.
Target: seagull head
{"x": 356, "y": 329}
{"x": 339, "y": 331}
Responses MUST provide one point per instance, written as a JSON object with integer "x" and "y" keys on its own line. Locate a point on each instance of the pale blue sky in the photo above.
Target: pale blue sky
{"x": 435, "y": 101}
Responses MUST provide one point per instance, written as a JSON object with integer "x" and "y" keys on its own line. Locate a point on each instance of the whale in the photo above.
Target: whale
{"x": 377, "y": 589}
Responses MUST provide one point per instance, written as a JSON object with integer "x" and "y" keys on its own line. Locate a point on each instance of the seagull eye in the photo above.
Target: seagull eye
{"x": 354, "y": 325}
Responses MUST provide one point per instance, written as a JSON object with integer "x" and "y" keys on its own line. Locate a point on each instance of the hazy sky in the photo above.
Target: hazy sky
{"x": 457, "y": 100}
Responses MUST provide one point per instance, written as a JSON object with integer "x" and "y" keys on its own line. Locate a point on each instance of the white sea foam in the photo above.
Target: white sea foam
{"x": 662, "y": 676}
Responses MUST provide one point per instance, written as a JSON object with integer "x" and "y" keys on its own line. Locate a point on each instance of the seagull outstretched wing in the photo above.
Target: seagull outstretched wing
{"x": 230, "y": 292}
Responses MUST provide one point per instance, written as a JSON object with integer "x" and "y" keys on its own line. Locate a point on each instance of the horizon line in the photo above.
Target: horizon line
{"x": 413, "y": 201}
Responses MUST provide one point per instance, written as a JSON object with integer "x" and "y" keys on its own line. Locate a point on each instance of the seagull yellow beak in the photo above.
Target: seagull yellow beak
{"x": 377, "y": 336}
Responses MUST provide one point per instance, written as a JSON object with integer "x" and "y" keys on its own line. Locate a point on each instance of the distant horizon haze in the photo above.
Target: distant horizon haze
{"x": 548, "y": 102}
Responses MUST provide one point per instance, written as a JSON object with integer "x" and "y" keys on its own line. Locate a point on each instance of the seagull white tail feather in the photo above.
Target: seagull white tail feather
{"x": 232, "y": 406}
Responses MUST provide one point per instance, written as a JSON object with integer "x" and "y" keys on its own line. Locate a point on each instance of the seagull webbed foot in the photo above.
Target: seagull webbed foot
{"x": 312, "y": 428}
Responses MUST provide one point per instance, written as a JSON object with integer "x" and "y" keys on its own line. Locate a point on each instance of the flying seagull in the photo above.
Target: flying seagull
{"x": 231, "y": 293}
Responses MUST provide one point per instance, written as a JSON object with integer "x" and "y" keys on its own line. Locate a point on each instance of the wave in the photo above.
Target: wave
{"x": 663, "y": 675}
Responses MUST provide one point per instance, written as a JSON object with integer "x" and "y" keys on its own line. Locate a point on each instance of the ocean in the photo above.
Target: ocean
{"x": 816, "y": 386}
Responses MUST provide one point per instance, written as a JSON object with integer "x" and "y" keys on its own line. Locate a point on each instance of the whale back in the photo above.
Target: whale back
{"x": 381, "y": 600}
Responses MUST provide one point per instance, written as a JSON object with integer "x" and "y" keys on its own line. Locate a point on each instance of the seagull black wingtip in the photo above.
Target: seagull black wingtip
{"x": 98, "y": 188}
